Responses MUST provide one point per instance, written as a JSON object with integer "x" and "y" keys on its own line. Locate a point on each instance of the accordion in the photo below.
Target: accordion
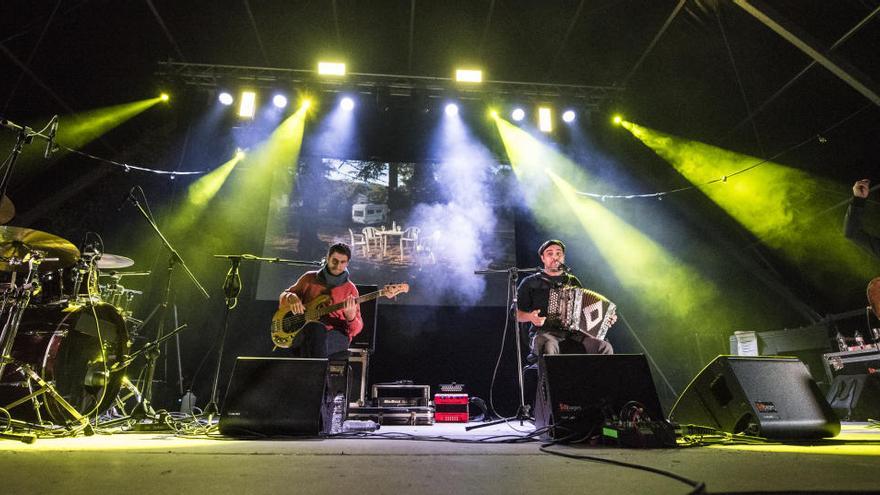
{"x": 576, "y": 309}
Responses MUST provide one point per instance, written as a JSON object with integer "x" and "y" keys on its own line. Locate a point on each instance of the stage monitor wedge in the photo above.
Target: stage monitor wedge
{"x": 270, "y": 396}
{"x": 770, "y": 397}
{"x": 577, "y": 393}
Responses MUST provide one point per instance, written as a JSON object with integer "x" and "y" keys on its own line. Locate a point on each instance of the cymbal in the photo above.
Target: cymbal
{"x": 123, "y": 274}
{"x": 7, "y": 210}
{"x": 112, "y": 261}
{"x": 17, "y": 242}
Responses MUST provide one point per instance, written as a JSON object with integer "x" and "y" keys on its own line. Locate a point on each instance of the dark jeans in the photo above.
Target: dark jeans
{"x": 315, "y": 341}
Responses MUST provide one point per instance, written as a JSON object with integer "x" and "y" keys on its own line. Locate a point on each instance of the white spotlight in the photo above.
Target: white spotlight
{"x": 280, "y": 101}
{"x": 568, "y": 116}
{"x": 347, "y": 104}
{"x": 451, "y": 109}
{"x": 225, "y": 98}
{"x": 518, "y": 114}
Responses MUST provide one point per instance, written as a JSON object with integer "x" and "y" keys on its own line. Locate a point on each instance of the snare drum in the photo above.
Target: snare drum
{"x": 61, "y": 343}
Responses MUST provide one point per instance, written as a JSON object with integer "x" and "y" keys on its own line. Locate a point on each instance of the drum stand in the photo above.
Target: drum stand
{"x": 523, "y": 413}
{"x": 20, "y": 299}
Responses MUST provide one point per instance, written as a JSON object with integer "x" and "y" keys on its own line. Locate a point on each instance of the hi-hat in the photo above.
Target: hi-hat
{"x": 7, "y": 210}
{"x": 18, "y": 244}
{"x": 113, "y": 261}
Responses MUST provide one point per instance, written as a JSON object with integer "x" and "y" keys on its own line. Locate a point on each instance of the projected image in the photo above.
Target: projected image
{"x": 405, "y": 222}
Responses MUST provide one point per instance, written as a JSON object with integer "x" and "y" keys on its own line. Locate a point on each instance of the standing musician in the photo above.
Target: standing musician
{"x": 852, "y": 224}
{"x": 533, "y": 298}
{"x": 332, "y": 335}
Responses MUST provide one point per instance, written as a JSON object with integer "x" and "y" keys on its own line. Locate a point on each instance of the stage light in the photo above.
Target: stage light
{"x": 347, "y": 104}
{"x": 518, "y": 114}
{"x": 248, "y": 106}
{"x": 280, "y": 101}
{"x": 451, "y": 109}
{"x": 469, "y": 75}
{"x": 225, "y": 98}
{"x": 493, "y": 113}
{"x": 164, "y": 97}
{"x": 331, "y": 68}
{"x": 306, "y": 103}
{"x": 545, "y": 119}
{"x": 568, "y": 116}
{"x": 617, "y": 119}
{"x": 239, "y": 154}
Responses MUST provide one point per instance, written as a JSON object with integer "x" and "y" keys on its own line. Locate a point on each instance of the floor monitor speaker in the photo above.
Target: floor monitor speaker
{"x": 270, "y": 396}
{"x": 577, "y": 393}
{"x": 771, "y": 397}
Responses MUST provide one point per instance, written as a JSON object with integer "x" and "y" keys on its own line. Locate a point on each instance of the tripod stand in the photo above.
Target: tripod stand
{"x": 522, "y": 411}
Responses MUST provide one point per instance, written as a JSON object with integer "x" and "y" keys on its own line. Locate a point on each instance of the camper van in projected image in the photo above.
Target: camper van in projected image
{"x": 369, "y": 213}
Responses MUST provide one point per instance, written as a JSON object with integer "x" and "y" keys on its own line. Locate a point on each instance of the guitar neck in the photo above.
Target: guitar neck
{"x": 364, "y": 298}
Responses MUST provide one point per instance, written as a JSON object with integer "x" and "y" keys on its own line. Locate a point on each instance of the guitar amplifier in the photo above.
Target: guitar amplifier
{"x": 401, "y": 395}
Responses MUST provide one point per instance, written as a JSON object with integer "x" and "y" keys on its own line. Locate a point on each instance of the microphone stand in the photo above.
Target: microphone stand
{"x": 522, "y": 412}
{"x": 231, "y": 289}
{"x": 25, "y": 136}
{"x": 143, "y": 410}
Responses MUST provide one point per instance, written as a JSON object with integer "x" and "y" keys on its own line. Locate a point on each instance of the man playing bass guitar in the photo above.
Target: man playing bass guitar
{"x": 331, "y": 336}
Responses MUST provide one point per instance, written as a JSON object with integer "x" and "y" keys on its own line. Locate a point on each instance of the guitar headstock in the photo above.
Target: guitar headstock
{"x": 393, "y": 290}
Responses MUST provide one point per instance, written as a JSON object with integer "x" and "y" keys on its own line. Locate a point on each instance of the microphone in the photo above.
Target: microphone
{"x": 128, "y": 197}
{"x": 50, "y": 143}
{"x": 565, "y": 268}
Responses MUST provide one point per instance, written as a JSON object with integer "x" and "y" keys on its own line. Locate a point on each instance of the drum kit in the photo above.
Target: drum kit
{"x": 66, "y": 334}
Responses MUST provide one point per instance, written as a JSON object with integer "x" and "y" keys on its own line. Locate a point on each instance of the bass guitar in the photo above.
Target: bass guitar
{"x": 287, "y": 325}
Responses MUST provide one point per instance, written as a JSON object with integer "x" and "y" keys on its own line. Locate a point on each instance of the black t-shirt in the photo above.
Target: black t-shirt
{"x": 534, "y": 292}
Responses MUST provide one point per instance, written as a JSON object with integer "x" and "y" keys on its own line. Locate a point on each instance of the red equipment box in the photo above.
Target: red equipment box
{"x": 451, "y": 408}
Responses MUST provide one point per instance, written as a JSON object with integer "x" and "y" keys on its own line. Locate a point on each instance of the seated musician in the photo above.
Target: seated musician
{"x": 533, "y": 298}
{"x": 332, "y": 335}
{"x": 852, "y": 225}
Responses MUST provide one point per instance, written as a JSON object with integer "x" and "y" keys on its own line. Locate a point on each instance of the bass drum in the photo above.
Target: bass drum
{"x": 61, "y": 343}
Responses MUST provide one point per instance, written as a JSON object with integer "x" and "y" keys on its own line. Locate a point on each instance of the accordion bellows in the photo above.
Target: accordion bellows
{"x": 581, "y": 310}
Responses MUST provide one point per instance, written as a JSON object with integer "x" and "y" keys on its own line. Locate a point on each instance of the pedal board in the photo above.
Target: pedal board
{"x": 640, "y": 435}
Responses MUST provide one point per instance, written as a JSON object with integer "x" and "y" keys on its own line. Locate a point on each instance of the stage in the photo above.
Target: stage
{"x": 442, "y": 458}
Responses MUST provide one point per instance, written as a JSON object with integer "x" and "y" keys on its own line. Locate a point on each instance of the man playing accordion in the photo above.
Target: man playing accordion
{"x": 533, "y": 300}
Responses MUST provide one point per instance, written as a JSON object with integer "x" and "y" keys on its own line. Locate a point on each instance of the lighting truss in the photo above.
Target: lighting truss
{"x": 211, "y": 76}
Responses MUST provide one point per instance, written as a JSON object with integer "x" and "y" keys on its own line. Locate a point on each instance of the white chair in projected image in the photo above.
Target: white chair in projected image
{"x": 374, "y": 241}
{"x": 359, "y": 240}
{"x": 409, "y": 239}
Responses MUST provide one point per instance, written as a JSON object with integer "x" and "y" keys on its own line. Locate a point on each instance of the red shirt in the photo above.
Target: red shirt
{"x": 308, "y": 287}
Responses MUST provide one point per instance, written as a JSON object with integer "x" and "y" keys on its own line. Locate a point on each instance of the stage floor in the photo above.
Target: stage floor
{"x": 443, "y": 458}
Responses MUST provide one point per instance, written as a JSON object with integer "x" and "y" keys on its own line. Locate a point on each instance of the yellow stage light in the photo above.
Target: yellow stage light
{"x": 617, "y": 119}
{"x": 306, "y": 103}
{"x": 164, "y": 97}
{"x": 331, "y": 68}
{"x": 469, "y": 75}
{"x": 248, "y": 106}
{"x": 545, "y": 119}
